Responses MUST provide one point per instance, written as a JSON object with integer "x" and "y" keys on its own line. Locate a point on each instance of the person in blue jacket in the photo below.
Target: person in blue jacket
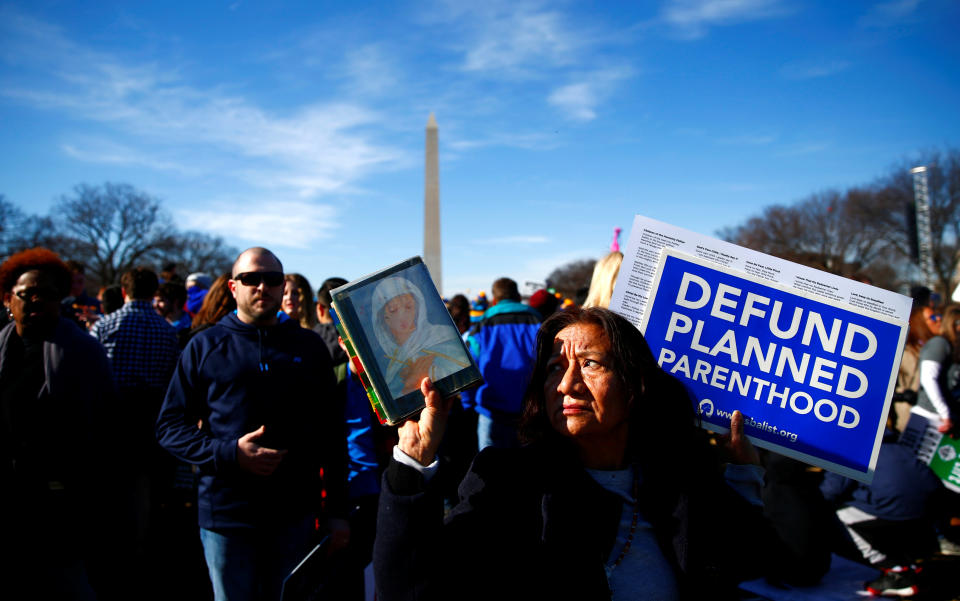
{"x": 252, "y": 403}
{"x": 503, "y": 344}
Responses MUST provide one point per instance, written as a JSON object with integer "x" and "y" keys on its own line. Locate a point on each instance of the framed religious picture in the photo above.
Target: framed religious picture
{"x": 397, "y": 331}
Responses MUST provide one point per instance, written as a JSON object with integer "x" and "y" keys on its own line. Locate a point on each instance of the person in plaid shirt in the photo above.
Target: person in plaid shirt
{"x": 143, "y": 350}
{"x": 141, "y": 345}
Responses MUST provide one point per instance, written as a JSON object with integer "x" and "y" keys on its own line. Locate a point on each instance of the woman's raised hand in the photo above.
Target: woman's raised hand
{"x": 421, "y": 438}
{"x": 736, "y": 446}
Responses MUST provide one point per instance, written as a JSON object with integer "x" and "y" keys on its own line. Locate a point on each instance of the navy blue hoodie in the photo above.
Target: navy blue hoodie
{"x": 235, "y": 377}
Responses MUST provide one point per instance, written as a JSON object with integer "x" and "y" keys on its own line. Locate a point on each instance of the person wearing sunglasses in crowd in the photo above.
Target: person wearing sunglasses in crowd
{"x": 264, "y": 394}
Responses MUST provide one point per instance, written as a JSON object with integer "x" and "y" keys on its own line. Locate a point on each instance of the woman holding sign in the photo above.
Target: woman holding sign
{"x": 615, "y": 495}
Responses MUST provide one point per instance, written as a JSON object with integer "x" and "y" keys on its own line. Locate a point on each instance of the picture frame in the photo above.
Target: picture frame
{"x": 397, "y": 330}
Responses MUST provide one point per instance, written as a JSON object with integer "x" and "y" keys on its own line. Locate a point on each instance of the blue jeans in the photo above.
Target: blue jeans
{"x": 499, "y": 433}
{"x": 247, "y": 564}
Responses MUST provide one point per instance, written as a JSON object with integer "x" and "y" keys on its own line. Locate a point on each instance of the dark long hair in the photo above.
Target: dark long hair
{"x": 663, "y": 434}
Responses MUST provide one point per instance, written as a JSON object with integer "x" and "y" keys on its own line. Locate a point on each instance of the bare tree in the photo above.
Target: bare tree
{"x": 196, "y": 251}
{"x": 19, "y": 231}
{"x": 572, "y": 278}
{"x": 865, "y": 230}
{"x": 777, "y": 231}
{"x": 11, "y": 218}
{"x": 943, "y": 177}
{"x": 843, "y": 233}
{"x": 114, "y": 227}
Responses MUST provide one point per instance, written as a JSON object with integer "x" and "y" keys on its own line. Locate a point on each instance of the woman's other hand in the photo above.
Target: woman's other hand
{"x": 420, "y": 439}
{"x": 738, "y": 448}
{"x": 945, "y": 426}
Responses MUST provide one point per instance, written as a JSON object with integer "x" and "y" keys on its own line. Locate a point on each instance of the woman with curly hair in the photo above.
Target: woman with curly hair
{"x": 44, "y": 273}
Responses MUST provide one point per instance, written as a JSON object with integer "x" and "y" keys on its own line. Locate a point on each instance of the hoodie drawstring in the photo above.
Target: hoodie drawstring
{"x": 264, "y": 366}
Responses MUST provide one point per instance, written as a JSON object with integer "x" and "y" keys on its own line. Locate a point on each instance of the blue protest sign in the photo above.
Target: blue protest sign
{"x": 813, "y": 380}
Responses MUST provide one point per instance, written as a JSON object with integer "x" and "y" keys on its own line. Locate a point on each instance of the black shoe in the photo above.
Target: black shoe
{"x": 899, "y": 581}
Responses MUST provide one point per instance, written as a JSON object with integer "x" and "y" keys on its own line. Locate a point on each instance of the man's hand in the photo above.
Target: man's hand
{"x": 421, "y": 439}
{"x": 738, "y": 448}
{"x": 254, "y": 458}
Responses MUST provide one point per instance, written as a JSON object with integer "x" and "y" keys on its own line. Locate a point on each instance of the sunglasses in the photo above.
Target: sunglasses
{"x": 41, "y": 294}
{"x": 253, "y": 278}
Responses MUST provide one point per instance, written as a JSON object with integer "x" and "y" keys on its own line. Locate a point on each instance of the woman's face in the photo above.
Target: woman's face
{"x": 291, "y": 300}
{"x": 585, "y": 398}
{"x": 400, "y": 315}
{"x": 932, "y": 318}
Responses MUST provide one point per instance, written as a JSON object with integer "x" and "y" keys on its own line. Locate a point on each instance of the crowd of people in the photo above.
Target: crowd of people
{"x": 576, "y": 469}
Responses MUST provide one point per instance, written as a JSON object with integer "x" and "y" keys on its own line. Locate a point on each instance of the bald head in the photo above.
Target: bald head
{"x": 257, "y": 254}
{"x": 257, "y": 286}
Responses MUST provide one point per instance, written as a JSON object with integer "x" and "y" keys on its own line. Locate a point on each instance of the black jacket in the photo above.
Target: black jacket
{"x": 532, "y": 524}
{"x": 236, "y": 377}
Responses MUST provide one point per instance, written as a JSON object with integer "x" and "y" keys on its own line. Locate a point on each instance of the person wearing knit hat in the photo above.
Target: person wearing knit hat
{"x": 544, "y": 302}
{"x": 479, "y": 305}
{"x": 197, "y": 286}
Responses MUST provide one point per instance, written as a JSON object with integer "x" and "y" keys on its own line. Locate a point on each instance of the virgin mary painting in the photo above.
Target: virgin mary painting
{"x": 413, "y": 347}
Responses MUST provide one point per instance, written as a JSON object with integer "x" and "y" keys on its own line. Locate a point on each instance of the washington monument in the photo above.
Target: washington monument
{"x": 431, "y": 207}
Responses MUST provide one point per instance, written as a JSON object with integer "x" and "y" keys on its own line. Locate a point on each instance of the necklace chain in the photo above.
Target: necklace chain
{"x": 636, "y": 518}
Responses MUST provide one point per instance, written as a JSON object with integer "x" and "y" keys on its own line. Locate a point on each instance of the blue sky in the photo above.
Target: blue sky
{"x": 300, "y": 125}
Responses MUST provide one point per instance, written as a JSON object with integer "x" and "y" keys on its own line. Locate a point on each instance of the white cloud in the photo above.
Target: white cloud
{"x": 692, "y": 18}
{"x": 888, "y": 14}
{"x": 575, "y": 59}
{"x": 110, "y": 153}
{"x": 812, "y": 70}
{"x": 515, "y": 39}
{"x": 532, "y": 141}
{"x": 579, "y": 100}
{"x": 275, "y": 223}
{"x": 310, "y": 150}
{"x": 369, "y": 70}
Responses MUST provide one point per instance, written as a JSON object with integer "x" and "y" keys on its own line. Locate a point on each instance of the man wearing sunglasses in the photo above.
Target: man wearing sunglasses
{"x": 263, "y": 394}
